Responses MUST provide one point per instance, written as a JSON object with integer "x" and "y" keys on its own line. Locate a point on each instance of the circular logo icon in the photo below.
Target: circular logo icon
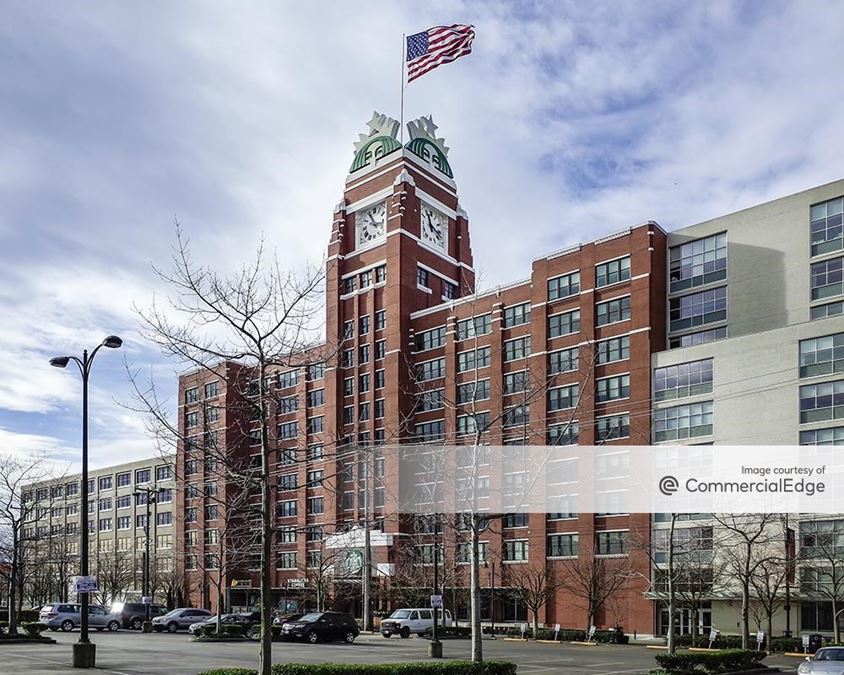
{"x": 668, "y": 485}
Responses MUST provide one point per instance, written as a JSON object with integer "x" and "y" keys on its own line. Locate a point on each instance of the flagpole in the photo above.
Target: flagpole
{"x": 401, "y": 123}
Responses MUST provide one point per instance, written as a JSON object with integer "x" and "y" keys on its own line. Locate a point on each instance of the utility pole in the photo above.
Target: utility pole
{"x": 366, "y": 572}
{"x": 151, "y": 494}
{"x": 435, "y": 649}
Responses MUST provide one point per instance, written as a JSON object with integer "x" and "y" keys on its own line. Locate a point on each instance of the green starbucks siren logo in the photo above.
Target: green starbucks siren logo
{"x": 379, "y": 142}
{"x": 425, "y": 144}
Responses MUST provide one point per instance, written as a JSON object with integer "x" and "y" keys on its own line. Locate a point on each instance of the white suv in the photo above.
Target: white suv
{"x": 413, "y": 620}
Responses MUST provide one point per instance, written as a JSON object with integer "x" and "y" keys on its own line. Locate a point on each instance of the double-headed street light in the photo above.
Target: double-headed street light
{"x": 84, "y": 651}
{"x": 152, "y": 494}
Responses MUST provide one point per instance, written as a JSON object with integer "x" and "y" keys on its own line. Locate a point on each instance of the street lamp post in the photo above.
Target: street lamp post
{"x": 491, "y": 565}
{"x": 151, "y": 498}
{"x": 85, "y": 651}
{"x": 435, "y": 648}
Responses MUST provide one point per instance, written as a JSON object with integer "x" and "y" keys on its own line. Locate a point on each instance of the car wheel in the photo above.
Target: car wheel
{"x": 67, "y": 625}
{"x": 350, "y": 637}
{"x": 405, "y": 632}
{"x": 113, "y": 626}
{"x": 313, "y": 637}
{"x": 386, "y": 635}
{"x": 172, "y": 627}
{"x": 136, "y": 623}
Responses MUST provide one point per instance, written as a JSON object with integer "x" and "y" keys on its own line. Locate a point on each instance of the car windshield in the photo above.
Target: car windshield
{"x": 314, "y": 616}
{"x": 400, "y": 614}
{"x": 830, "y": 655}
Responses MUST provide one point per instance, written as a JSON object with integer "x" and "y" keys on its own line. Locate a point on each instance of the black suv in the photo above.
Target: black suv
{"x": 322, "y": 626}
{"x": 134, "y": 614}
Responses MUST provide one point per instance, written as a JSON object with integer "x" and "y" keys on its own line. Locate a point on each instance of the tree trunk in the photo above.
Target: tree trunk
{"x": 13, "y": 586}
{"x": 265, "y": 659}
{"x": 745, "y": 614}
{"x": 475, "y": 593}
{"x": 672, "y": 601}
{"x": 836, "y": 627}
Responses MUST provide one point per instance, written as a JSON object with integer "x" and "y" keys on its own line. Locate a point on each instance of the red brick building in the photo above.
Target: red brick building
{"x": 561, "y": 357}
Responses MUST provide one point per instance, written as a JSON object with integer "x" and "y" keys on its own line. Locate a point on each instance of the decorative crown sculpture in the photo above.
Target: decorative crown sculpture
{"x": 424, "y": 127}
{"x": 379, "y": 125}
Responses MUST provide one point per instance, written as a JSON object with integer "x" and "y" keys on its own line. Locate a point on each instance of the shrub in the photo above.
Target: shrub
{"x": 444, "y": 668}
{"x": 785, "y": 644}
{"x": 726, "y": 661}
{"x": 450, "y": 631}
{"x": 721, "y": 642}
{"x": 34, "y": 628}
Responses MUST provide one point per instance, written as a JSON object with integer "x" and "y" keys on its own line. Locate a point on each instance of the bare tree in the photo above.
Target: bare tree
{"x": 747, "y": 543}
{"x": 261, "y": 317}
{"x": 114, "y": 572}
{"x": 769, "y": 589}
{"x": 592, "y": 579}
{"x": 534, "y": 585}
{"x": 822, "y": 568}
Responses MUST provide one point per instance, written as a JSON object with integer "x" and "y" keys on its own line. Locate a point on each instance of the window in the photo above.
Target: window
{"x": 165, "y": 496}
{"x": 430, "y": 370}
{"x": 474, "y": 327}
{"x": 192, "y": 395}
{"x": 286, "y": 508}
{"x": 288, "y": 379}
{"x": 163, "y": 472}
{"x": 92, "y": 487}
{"x": 833, "y": 436}
{"x": 560, "y": 398}
{"x": 700, "y": 338}
{"x": 826, "y": 226}
{"x": 211, "y": 512}
{"x": 380, "y": 379}
{"x": 286, "y": 560}
{"x": 517, "y": 349}
{"x": 516, "y": 550}
{"x": 562, "y": 545}
{"x": 698, "y": 309}
{"x": 449, "y": 290}
{"x": 564, "y": 286}
{"x": 422, "y": 277}
{"x": 685, "y": 379}
{"x": 430, "y": 431}
{"x": 610, "y": 543}
{"x": 563, "y": 434}
{"x": 190, "y": 514}
{"x": 380, "y": 274}
{"x": 612, "y": 388}
{"x": 698, "y": 262}
{"x": 212, "y": 389}
{"x": 822, "y": 402}
{"x": 288, "y": 430}
{"x": 381, "y": 319}
{"x": 288, "y": 404}
{"x": 516, "y": 415}
{"x": 612, "y": 311}
{"x": 430, "y": 400}
{"x": 316, "y": 425}
{"x": 348, "y": 329}
{"x": 349, "y": 285}
{"x": 315, "y": 478}
{"x": 380, "y": 349}
{"x": 821, "y": 356}
{"x": 612, "y": 427}
{"x": 212, "y": 414}
{"x": 315, "y": 452}
{"x": 105, "y": 525}
{"x": 430, "y": 338}
{"x": 827, "y": 279}
{"x": 165, "y": 518}
{"x": 348, "y": 414}
{"x": 191, "y": 467}
{"x": 517, "y": 315}
{"x": 191, "y": 419}
{"x": 363, "y": 325}
{"x": 473, "y": 391}
{"x": 563, "y": 361}
{"x": 379, "y": 408}
{"x": 364, "y": 354}
{"x": 824, "y": 311}
{"x": 124, "y": 523}
{"x": 288, "y": 481}
{"x": 105, "y": 504}
{"x": 316, "y": 505}
{"x": 477, "y": 358}
{"x": 349, "y": 386}
{"x": 515, "y": 382}
{"x": 363, "y": 412}
{"x": 464, "y": 552}
{"x": 141, "y": 520}
{"x": 72, "y": 489}
{"x": 614, "y": 349}
{"x": 564, "y": 324}
{"x": 314, "y": 533}
{"x": 124, "y": 502}
{"x": 316, "y": 398}
{"x": 316, "y": 371}
{"x": 683, "y": 421}
{"x": 287, "y": 535}
{"x": 105, "y": 483}
{"x": 366, "y": 279}
{"x": 142, "y": 476}
{"x": 612, "y": 272}
{"x": 470, "y": 424}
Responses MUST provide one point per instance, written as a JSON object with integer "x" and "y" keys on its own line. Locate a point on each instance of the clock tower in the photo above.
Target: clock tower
{"x": 399, "y": 245}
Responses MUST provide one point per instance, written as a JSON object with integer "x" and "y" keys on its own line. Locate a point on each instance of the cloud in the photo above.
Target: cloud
{"x": 569, "y": 120}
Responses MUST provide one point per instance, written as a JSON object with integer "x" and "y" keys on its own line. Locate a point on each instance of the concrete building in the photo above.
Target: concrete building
{"x": 118, "y": 530}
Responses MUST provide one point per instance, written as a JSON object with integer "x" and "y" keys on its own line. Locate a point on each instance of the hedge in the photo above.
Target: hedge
{"x": 785, "y": 644}
{"x": 450, "y": 631}
{"x": 727, "y": 661}
{"x": 443, "y": 668}
{"x": 34, "y": 628}
{"x": 721, "y": 642}
{"x": 22, "y": 617}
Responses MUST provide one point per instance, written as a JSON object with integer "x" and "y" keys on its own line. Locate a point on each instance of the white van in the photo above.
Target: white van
{"x": 413, "y": 620}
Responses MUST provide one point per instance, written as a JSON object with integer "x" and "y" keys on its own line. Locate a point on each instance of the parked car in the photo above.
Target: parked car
{"x": 322, "y": 627}
{"x": 67, "y": 616}
{"x": 412, "y": 620}
{"x": 251, "y": 622}
{"x": 179, "y": 618}
{"x": 286, "y": 618}
{"x": 826, "y": 661}
{"x": 133, "y": 614}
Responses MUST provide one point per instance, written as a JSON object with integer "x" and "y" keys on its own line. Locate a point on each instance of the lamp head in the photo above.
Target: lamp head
{"x": 112, "y": 342}
{"x": 59, "y": 361}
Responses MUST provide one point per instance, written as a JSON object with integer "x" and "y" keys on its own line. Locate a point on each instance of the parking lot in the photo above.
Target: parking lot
{"x": 132, "y": 653}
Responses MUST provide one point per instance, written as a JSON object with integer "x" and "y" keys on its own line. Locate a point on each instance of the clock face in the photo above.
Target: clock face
{"x": 434, "y": 227}
{"x": 371, "y": 224}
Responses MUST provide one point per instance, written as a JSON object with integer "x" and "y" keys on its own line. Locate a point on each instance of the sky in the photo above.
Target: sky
{"x": 568, "y": 121}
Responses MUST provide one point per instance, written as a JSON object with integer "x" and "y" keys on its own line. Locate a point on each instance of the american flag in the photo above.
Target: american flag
{"x": 435, "y": 46}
